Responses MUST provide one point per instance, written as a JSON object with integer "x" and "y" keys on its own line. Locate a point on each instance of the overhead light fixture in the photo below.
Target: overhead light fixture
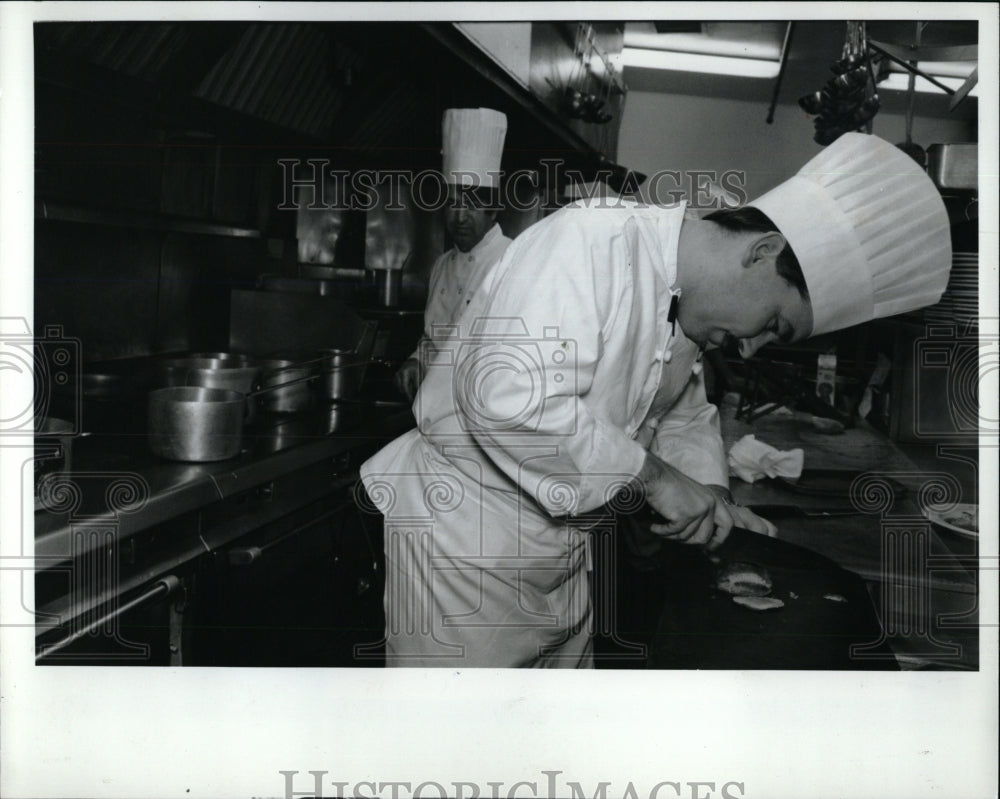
{"x": 698, "y": 62}
{"x": 900, "y": 82}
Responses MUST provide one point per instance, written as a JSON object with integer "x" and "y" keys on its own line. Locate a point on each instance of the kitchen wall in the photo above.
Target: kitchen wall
{"x": 687, "y": 132}
{"x": 131, "y": 292}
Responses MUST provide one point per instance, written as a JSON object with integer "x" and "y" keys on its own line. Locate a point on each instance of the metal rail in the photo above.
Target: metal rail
{"x": 161, "y": 588}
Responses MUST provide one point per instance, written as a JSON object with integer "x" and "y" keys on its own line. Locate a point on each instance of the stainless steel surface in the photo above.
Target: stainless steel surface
{"x": 390, "y": 238}
{"x": 390, "y": 284}
{"x": 46, "y": 209}
{"x": 330, "y": 272}
{"x": 289, "y": 321}
{"x": 321, "y": 437}
{"x": 954, "y": 166}
{"x": 106, "y": 384}
{"x": 194, "y": 423}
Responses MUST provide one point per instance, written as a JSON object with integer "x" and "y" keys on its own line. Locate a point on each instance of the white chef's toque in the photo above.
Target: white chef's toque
{"x": 869, "y": 229}
{"x": 472, "y": 146}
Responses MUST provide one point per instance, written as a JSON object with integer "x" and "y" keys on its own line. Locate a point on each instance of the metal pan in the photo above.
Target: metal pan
{"x": 284, "y": 385}
{"x": 343, "y": 372}
{"x": 232, "y": 373}
{"x": 195, "y": 423}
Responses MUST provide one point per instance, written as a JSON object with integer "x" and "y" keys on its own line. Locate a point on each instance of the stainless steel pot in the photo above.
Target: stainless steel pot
{"x": 233, "y": 373}
{"x": 195, "y": 423}
{"x": 209, "y": 373}
{"x": 228, "y": 358}
{"x": 342, "y": 372}
{"x": 280, "y": 398}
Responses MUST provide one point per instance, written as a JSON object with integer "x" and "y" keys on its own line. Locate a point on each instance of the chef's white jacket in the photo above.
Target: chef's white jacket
{"x": 532, "y": 416}
{"x": 455, "y": 278}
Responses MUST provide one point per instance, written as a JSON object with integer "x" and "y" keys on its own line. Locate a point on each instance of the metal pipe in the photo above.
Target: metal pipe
{"x": 161, "y": 588}
{"x": 782, "y": 63}
{"x": 910, "y": 68}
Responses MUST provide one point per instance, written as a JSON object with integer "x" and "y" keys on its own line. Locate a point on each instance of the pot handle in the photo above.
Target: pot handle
{"x": 259, "y": 388}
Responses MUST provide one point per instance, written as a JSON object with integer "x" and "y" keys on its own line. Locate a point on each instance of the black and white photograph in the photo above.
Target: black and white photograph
{"x": 362, "y": 361}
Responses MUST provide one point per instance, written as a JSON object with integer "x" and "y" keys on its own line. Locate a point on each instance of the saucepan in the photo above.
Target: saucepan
{"x": 343, "y": 372}
{"x": 284, "y": 385}
{"x": 281, "y": 383}
{"x": 200, "y": 423}
{"x": 231, "y": 373}
{"x": 196, "y": 423}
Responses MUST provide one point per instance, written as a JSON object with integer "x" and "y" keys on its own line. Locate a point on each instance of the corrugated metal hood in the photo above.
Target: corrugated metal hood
{"x": 329, "y": 83}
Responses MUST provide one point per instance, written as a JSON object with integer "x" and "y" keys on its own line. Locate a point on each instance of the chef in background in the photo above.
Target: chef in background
{"x": 472, "y": 150}
{"x": 575, "y": 378}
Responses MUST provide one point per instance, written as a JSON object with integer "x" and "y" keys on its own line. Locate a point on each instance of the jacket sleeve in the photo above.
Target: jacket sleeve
{"x": 688, "y": 437}
{"x": 534, "y": 357}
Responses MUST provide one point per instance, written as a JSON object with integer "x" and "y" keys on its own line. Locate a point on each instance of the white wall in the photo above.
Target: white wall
{"x": 683, "y": 132}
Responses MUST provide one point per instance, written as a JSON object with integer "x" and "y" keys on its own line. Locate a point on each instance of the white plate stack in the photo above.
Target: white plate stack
{"x": 960, "y": 302}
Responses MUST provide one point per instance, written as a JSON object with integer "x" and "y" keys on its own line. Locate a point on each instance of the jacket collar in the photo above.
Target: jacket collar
{"x": 484, "y": 243}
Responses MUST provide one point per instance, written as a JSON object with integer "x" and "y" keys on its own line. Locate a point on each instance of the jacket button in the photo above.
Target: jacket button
{"x": 667, "y": 356}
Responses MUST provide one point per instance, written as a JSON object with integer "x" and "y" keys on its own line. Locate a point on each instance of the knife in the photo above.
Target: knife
{"x": 767, "y": 511}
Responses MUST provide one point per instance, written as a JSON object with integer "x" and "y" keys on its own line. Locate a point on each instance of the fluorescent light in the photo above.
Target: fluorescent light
{"x": 900, "y": 82}
{"x": 697, "y": 62}
{"x": 747, "y": 46}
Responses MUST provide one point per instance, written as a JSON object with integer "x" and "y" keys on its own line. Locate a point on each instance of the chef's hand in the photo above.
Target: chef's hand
{"x": 744, "y": 517}
{"x": 694, "y": 514}
{"x": 407, "y": 379}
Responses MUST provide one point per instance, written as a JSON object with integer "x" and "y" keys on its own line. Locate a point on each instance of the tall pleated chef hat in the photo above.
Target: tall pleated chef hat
{"x": 869, "y": 229}
{"x": 472, "y": 146}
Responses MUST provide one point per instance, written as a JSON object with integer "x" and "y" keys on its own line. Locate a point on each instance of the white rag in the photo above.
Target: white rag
{"x": 750, "y": 459}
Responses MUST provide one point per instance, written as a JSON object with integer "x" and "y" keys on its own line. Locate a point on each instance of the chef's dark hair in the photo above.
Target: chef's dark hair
{"x": 750, "y": 220}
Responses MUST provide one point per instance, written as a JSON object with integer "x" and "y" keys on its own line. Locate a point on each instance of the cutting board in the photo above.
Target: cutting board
{"x": 827, "y": 610}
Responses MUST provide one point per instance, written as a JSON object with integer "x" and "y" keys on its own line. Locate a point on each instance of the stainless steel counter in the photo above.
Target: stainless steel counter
{"x": 126, "y": 529}
{"x": 117, "y": 480}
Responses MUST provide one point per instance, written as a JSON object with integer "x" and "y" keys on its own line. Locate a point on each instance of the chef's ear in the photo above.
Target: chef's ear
{"x": 764, "y": 247}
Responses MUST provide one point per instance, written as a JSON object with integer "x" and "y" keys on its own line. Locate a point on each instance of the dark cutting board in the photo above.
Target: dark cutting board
{"x": 701, "y": 627}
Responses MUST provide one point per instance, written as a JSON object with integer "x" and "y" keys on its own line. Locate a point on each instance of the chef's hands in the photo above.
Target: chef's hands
{"x": 695, "y": 514}
{"x": 407, "y": 379}
{"x": 744, "y": 517}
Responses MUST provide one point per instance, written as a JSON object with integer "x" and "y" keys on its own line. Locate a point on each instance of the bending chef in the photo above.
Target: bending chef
{"x": 574, "y": 374}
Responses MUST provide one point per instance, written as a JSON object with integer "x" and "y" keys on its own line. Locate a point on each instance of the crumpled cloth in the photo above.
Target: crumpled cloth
{"x": 750, "y": 460}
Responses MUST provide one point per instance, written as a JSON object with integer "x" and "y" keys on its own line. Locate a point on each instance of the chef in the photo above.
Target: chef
{"x": 573, "y": 381}
{"x": 472, "y": 147}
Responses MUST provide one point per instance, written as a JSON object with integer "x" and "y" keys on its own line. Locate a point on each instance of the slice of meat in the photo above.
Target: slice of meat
{"x": 744, "y": 579}
{"x": 759, "y": 602}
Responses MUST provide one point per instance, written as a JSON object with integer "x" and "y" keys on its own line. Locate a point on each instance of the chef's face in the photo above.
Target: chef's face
{"x": 466, "y": 224}
{"x": 756, "y": 307}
